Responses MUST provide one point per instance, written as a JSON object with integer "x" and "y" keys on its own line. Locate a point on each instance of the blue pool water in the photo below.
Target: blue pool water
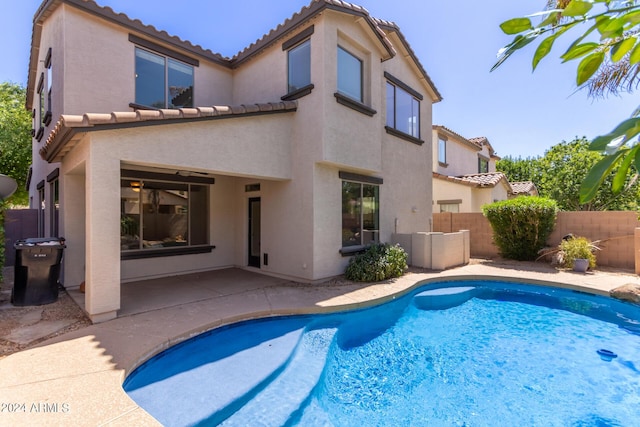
{"x": 450, "y": 354}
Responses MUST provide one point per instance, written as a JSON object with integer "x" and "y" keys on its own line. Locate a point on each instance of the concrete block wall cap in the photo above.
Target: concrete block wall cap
{"x": 148, "y": 115}
{"x": 238, "y": 109}
{"x": 97, "y": 118}
{"x": 124, "y": 116}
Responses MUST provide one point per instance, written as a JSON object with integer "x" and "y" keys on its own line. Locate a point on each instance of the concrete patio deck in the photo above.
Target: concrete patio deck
{"x": 76, "y": 379}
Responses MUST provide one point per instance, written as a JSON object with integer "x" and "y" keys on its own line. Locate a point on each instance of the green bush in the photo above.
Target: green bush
{"x": 521, "y": 226}
{"x": 577, "y": 248}
{"x": 378, "y": 262}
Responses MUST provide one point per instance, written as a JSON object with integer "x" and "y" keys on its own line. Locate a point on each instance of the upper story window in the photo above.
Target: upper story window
{"x": 442, "y": 150}
{"x": 49, "y": 67}
{"x": 162, "y": 82}
{"x": 299, "y": 66}
{"x": 483, "y": 165}
{"x": 349, "y": 75}
{"x": 403, "y": 107}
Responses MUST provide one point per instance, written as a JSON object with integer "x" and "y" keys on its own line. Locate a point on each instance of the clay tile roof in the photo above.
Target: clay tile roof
{"x": 58, "y": 142}
{"x": 524, "y": 187}
{"x": 456, "y": 135}
{"x": 306, "y": 13}
{"x": 490, "y": 179}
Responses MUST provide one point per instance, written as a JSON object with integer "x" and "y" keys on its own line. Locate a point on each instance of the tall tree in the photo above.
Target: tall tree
{"x": 15, "y": 138}
{"x": 609, "y": 55}
{"x": 519, "y": 169}
{"x": 565, "y": 166}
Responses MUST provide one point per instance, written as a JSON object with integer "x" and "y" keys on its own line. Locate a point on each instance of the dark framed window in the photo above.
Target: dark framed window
{"x": 162, "y": 82}
{"x": 442, "y": 150}
{"x": 360, "y": 213}
{"x": 483, "y": 165}
{"x": 41, "y": 104}
{"x": 349, "y": 75}
{"x": 299, "y": 66}
{"x": 403, "y": 110}
{"x": 157, "y": 214}
{"x": 49, "y": 79}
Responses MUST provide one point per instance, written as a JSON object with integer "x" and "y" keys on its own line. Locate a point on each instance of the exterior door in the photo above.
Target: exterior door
{"x": 254, "y": 232}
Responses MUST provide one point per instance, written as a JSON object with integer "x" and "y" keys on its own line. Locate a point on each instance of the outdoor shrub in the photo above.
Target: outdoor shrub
{"x": 521, "y": 226}
{"x": 378, "y": 262}
{"x": 577, "y": 248}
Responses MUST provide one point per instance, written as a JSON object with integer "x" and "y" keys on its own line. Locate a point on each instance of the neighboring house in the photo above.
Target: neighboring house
{"x": 154, "y": 157}
{"x": 464, "y": 172}
{"x": 523, "y": 188}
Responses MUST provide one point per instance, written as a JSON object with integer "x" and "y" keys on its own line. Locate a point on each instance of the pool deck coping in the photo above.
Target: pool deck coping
{"x": 76, "y": 379}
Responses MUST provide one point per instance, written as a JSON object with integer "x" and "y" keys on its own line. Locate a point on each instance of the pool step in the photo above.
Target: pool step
{"x": 443, "y": 298}
{"x": 276, "y": 403}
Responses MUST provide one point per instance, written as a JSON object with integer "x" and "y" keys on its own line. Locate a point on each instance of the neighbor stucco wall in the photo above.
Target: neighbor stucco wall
{"x": 462, "y": 159}
{"x": 446, "y": 191}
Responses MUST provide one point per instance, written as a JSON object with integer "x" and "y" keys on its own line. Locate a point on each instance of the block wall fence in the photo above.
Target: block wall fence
{"x": 619, "y": 233}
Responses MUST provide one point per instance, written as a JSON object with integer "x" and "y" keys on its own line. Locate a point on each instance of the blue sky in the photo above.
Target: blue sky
{"x": 520, "y": 112}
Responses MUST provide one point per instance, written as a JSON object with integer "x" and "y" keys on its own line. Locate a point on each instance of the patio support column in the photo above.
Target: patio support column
{"x": 102, "y": 297}
{"x": 73, "y": 216}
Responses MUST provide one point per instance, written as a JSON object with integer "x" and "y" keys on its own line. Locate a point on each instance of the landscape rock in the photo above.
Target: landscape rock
{"x": 629, "y": 292}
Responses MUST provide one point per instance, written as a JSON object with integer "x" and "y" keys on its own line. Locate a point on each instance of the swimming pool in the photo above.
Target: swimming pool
{"x": 453, "y": 353}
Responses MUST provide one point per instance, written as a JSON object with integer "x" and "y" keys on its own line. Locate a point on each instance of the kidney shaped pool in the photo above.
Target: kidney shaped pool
{"x": 453, "y": 353}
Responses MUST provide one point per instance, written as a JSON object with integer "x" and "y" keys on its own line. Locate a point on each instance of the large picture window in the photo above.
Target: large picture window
{"x": 162, "y": 82}
{"x": 349, "y": 75}
{"x": 403, "y": 111}
{"x": 360, "y": 213}
{"x": 162, "y": 214}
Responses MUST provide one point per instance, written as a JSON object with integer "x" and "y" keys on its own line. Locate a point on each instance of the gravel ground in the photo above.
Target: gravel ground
{"x": 10, "y": 316}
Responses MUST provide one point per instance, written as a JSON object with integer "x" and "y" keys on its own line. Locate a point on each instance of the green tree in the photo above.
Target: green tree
{"x": 565, "y": 166}
{"x": 15, "y": 138}
{"x": 608, "y": 52}
{"x": 519, "y": 169}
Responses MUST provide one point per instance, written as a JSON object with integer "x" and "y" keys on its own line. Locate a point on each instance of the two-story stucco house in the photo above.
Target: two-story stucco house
{"x": 154, "y": 157}
{"x": 464, "y": 173}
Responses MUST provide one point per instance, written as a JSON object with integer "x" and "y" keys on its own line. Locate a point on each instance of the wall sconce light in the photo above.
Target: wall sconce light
{"x": 414, "y": 209}
{"x": 136, "y": 186}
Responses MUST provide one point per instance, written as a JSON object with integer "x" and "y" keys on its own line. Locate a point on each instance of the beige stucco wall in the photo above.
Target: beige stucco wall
{"x": 296, "y": 157}
{"x": 462, "y": 159}
{"x": 445, "y": 190}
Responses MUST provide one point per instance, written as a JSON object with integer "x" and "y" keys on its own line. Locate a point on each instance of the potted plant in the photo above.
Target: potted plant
{"x": 578, "y": 253}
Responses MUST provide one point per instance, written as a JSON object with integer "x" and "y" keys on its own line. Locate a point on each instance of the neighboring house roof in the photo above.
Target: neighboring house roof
{"x": 524, "y": 187}
{"x": 61, "y": 139}
{"x": 482, "y": 140}
{"x": 478, "y": 180}
{"x": 377, "y": 27}
{"x": 469, "y": 143}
